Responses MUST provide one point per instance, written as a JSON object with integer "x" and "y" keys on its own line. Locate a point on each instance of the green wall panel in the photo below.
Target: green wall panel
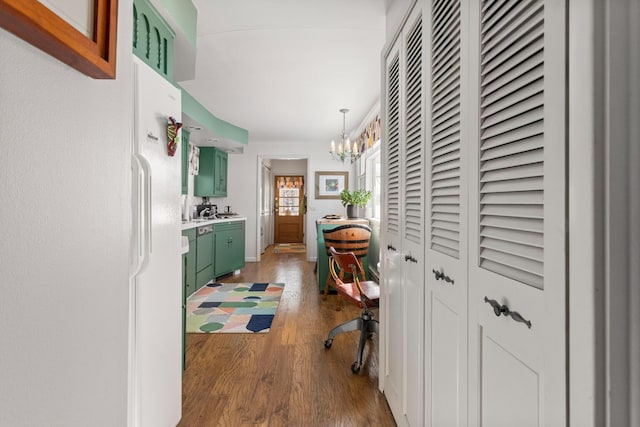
{"x": 195, "y": 110}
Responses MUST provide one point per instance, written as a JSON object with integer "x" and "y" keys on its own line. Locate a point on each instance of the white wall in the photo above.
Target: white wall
{"x": 243, "y": 182}
{"x": 291, "y": 167}
{"x": 64, "y": 217}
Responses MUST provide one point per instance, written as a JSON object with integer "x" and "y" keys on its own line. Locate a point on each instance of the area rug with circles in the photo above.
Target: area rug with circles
{"x": 233, "y": 307}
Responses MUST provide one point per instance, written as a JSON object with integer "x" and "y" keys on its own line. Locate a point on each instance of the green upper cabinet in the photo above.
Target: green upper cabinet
{"x": 185, "y": 161}
{"x": 211, "y": 180}
{"x": 220, "y": 171}
{"x": 153, "y": 38}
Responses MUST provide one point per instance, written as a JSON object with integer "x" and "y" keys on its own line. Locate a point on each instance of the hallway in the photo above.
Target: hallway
{"x": 284, "y": 377}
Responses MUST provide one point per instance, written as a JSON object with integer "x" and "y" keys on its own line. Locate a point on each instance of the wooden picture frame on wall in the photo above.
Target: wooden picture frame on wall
{"x": 329, "y": 185}
{"x": 37, "y": 24}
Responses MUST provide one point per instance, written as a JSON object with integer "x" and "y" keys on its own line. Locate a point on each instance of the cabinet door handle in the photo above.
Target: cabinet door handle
{"x": 504, "y": 310}
{"x": 440, "y": 275}
{"x": 410, "y": 258}
{"x": 391, "y": 248}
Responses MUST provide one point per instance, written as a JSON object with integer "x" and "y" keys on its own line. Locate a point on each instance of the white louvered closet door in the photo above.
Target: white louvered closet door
{"x": 412, "y": 232}
{"x": 446, "y": 231}
{"x": 516, "y": 215}
{"x": 393, "y": 295}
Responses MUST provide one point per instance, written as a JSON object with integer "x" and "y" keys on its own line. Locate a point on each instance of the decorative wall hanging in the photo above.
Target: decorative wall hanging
{"x": 369, "y": 135}
{"x": 172, "y": 131}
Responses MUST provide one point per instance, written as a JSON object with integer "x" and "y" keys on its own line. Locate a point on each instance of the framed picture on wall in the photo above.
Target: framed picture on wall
{"x": 330, "y": 184}
{"x": 80, "y": 33}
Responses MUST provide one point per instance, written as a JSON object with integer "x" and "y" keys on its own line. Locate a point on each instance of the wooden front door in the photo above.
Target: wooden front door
{"x": 289, "y": 212}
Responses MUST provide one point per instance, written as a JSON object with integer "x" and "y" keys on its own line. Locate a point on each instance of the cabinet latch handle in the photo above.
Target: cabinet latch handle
{"x": 505, "y": 311}
{"x": 440, "y": 275}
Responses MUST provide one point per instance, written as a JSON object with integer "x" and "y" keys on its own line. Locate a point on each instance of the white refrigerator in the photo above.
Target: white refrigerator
{"x": 155, "y": 356}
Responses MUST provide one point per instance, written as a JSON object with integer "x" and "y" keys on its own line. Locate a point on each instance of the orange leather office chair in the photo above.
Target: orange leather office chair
{"x": 364, "y": 294}
{"x": 346, "y": 238}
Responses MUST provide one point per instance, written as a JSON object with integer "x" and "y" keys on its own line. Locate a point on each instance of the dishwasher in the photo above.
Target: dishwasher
{"x": 204, "y": 255}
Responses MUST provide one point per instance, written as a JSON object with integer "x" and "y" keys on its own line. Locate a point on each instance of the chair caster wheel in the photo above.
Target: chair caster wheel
{"x": 355, "y": 368}
{"x": 327, "y": 343}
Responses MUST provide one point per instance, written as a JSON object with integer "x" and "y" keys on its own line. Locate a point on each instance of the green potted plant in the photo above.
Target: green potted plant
{"x": 353, "y": 200}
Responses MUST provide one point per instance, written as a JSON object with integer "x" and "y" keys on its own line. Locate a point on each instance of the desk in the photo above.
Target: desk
{"x": 323, "y": 259}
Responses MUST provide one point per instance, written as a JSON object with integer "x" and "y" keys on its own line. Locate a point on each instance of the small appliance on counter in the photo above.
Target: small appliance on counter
{"x": 206, "y": 210}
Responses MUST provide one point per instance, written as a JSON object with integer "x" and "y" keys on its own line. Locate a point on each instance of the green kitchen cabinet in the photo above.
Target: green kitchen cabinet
{"x": 220, "y": 171}
{"x": 211, "y": 180}
{"x": 185, "y": 161}
{"x": 229, "y": 247}
{"x": 153, "y": 38}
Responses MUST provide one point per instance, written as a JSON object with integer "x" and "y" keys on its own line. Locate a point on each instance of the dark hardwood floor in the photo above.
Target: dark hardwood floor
{"x": 285, "y": 377}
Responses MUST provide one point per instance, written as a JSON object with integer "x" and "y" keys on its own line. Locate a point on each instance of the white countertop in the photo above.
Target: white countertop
{"x": 197, "y": 223}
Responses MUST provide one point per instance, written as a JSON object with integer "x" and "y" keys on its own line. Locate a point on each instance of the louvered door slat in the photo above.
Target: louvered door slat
{"x": 524, "y": 171}
{"x": 516, "y": 236}
{"x": 441, "y": 9}
{"x": 496, "y": 56}
{"x": 445, "y": 167}
{"x": 512, "y": 186}
{"x": 520, "y": 198}
{"x": 448, "y": 25}
{"x": 524, "y": 251}
{"x": 512, "y": 141}
{"x": 521, "y": 158}
{"x": 449, "y": 81}
{"x": 526, "y": 105}
{"x": 450, "y": 104}
{"x": 393, "y": 148}
{"x": 533, "y": 225}
{"x": 450, "y": 138}
{"x": 444, "y": 181}
{"x": 413, "y": 136}
{"x": 523, "y": 17}
{"x": 513, "y": 70}
{"x": 445, "y": 149}
{"x": 446, "y": 216}
{"x": 512, "y": 124}
{"x": 489, "y": 5}
{"x": 523, "y": 211}
{"x": 494, "y": 106}
{"x": 445, "y": 126}
{"x": 443, "y": 49}
{"x": 445, "y": 174}
{"x": 490, "y": 17}
{"x": 446, "y": 133}
{"x": 446, "y": 191}
{"x": 526, "y": 138}
{"x": 447, "y": 116}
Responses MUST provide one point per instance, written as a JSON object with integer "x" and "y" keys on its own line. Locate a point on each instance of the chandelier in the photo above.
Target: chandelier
{"x": 344, "y": 151}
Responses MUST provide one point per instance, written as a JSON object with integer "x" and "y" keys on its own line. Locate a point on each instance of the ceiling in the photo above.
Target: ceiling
{"x": 282, "y": 69}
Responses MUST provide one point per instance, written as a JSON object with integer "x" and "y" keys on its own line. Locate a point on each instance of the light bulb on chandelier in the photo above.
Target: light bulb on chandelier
{"x": 345, "y": 151}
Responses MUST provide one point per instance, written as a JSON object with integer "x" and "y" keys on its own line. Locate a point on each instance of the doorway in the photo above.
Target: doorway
{"x": 289, "y": 209}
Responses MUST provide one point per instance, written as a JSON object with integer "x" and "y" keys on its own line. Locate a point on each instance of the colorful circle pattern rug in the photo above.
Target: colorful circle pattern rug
{"x": 233, "y": 307}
